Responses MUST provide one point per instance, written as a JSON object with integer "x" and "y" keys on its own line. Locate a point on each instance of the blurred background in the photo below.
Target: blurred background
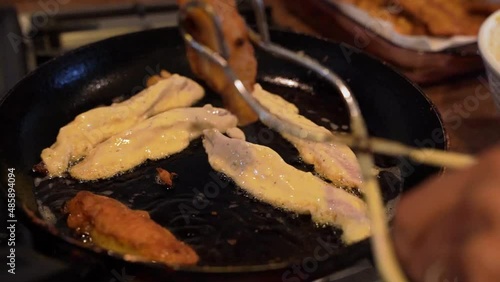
{"x": 34, "y": 31}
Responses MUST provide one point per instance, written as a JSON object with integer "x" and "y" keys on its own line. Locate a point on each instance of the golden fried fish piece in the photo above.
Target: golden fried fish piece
{"x": 115, "y": 227}
{"x": 241, "y": 55}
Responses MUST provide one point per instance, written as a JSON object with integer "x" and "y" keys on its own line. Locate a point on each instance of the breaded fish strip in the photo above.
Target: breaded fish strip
{"x": 241, "y": 55}
{"x": 115, "y": 227}
{"x": 88, "y": 129}
{"x": 335, "y": 161}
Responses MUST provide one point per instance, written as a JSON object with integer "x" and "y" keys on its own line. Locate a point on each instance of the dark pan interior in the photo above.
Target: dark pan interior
{"x": 204, "y": 209}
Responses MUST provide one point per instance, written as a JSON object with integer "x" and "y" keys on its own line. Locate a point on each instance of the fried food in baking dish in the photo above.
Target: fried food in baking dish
{"x": 334, "y": 161}
{"x": 115, "y": 227}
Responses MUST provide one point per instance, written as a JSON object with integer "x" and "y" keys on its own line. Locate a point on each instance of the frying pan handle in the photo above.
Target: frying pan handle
{"x": 12, "y": 54}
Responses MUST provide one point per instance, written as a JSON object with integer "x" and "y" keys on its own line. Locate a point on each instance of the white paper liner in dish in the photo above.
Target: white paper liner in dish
{"x": 386, "y": 30}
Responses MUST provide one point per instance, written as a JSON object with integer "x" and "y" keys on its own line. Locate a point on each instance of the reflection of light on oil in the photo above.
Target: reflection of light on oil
{"x": 70, "y": 75}
{"x": 287, "y": 82}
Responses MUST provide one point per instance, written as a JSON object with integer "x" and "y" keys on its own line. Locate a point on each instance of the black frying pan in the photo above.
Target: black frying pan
{"x": 232, "y": 233}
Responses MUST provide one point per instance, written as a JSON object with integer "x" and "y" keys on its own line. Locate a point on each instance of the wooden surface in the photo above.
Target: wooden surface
{"x": 472, "y": 121}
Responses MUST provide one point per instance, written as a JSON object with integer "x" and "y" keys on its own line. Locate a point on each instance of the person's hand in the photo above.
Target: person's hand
{"x": 448, "y": 229}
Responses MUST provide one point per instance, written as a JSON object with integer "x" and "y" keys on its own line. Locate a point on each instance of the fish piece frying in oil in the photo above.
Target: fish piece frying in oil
{"x": 115, "y": 227}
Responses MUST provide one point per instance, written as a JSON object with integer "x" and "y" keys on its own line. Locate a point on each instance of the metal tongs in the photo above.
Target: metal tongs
{"x": 359, "y": 139}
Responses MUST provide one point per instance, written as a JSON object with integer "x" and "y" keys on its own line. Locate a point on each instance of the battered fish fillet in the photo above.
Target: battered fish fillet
{"x": 335, "y": 161}
{"x": 265, "y": 175}
{"x": 155, "y": 138}
{"x": 88, "y": 129}
{"x": 115, "y": 227}
{"x": 241, "y": 55}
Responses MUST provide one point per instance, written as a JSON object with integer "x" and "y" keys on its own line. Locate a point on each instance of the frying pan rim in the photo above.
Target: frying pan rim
{"x": 228, "y": 269}
{"x": 274, "y": 30}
